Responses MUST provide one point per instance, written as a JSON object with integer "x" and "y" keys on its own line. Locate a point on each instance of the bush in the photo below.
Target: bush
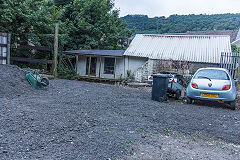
{"x": 65, "y": 73}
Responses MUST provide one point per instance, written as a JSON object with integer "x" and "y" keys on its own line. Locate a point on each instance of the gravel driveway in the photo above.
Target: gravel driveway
{"x": 81, "y": 120}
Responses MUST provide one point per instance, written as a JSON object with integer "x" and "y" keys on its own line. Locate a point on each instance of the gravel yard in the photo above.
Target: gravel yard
{"x": 81, "y": 120}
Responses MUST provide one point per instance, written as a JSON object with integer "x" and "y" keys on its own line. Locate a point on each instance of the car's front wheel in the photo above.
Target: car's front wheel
{"x": 189, "y": 100}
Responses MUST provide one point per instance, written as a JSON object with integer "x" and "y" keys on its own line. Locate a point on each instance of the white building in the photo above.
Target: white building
{"x": 105, "y": 64}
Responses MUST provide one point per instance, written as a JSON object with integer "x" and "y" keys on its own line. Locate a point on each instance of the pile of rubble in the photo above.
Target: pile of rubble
{"x": 13, "y": 82}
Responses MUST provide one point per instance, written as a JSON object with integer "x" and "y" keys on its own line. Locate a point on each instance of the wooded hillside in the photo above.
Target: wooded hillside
{"x": 182, "y": 23}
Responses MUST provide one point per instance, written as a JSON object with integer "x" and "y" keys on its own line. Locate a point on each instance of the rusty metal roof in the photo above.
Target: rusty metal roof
{"x": 232, "y": 33}
{"x": 192, "y": 48}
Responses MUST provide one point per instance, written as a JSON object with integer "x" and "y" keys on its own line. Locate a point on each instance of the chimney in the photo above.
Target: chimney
{"x": 128, "y": 42}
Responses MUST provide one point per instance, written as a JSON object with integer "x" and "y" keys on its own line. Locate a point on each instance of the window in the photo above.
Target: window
{"x": 109, "y": 65}
{"x": 212, "y": 74}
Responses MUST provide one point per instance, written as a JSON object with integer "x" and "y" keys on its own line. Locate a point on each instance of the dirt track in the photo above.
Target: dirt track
{"x": 81, "y": 120}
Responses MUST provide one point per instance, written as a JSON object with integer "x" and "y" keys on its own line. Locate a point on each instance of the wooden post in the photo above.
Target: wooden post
{"x": 8, "y": 48}
{"x": 115, "y": 68}
{"x": 100, "y": 67}
{"x": 89, "y": 65}
{"x": 55, "y": 51}
{"x": 76, "y": 65}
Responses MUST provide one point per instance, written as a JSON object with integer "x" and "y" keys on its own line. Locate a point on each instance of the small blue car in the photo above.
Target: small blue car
{"x": 212, "y": 84}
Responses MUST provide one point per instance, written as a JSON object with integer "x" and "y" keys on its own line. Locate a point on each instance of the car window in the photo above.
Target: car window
{"x": 212, "y": 74}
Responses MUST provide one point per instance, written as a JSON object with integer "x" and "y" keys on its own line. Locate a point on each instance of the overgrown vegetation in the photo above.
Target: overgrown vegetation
{"x": 235, "y": 49}
{"x": 182, "y": 23}
{"x": 91, "y": 24}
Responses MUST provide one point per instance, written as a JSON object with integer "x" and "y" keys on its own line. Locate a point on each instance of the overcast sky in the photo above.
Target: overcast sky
{"x": 159, "y": 8}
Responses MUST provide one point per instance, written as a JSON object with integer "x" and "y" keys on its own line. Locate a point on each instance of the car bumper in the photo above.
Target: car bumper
{"x": 222, "y": 95}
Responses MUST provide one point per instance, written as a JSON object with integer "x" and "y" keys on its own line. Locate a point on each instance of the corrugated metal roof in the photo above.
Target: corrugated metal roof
{"x": 238, "y": 35}
{"x": 190, "y": 48}
{"x": 115, "y": 53}
{"x": 231, "y": 33}
{"x": 237, "y": 42}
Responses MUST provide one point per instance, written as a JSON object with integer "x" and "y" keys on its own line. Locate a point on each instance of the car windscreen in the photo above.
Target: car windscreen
{"x": 212, "y": 74}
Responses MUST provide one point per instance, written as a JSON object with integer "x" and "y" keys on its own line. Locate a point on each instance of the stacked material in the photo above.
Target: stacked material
{"x": 13, "y": 82}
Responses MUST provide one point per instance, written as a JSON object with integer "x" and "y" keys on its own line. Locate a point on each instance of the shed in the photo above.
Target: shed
{"x": 98, "y": 63}
{"x": 171, "y": 52}
{"x": 105, "y": 64}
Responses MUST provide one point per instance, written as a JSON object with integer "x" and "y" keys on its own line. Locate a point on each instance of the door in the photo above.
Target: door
{"x": 93, "y": 65}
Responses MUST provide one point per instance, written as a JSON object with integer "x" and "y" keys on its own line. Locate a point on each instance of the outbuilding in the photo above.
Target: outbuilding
{"x": 180, "y": 53}
{"x": 149, "y": 53}
{"x": 105, "y": 64}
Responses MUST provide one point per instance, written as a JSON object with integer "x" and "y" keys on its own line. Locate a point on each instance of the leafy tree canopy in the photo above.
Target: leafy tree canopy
{"x": 235, "y": 48}
{"x": 182, "y": 23}
{"x": 84, "y": 24}
{"x": 95, "y": 24}
{"x": 62, "y": 2}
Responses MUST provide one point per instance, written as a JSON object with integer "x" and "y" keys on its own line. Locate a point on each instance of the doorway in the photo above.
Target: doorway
{"x": 93, "y": 65}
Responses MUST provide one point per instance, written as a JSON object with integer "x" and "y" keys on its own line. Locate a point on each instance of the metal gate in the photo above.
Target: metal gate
{"x": 230, "y": 61}
{"x": 4, "y": 48}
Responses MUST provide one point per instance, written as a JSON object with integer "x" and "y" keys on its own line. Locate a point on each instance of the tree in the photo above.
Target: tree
{"x": 94, "y": 24}
{"x": 183, "y": 23}
{"x": 235, "y": 49}
{"x": 32, "y": 22}
{"x": 62, "y": 2}
{"x": 91, "y": 24}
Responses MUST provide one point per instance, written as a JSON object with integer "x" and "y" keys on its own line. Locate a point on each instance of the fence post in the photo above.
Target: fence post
{"x": 8, "y": 48}
{"x": 55, "y": 51}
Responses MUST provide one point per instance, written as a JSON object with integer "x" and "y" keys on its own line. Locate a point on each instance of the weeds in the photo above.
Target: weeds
{"x": 194, "y": 139}
{"x": 107, "y": 132}
{"x": 168, "y": 130}
{"x": 141, "y": 128}
{"x": 128, "y": 146}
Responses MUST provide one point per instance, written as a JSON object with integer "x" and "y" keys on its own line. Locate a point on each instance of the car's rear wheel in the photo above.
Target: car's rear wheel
{"x": 232, "y": 104}
{"x": 189, "y": 100}
{"x": 177, "y": 94}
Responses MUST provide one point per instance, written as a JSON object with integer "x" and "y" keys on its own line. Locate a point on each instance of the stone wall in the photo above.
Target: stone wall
{"x": 142, "y": 73}
{"x": 156, "y": 66}
{"x": 185, "y": 68}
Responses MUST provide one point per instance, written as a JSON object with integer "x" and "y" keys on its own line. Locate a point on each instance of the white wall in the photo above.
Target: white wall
{"x": 133, "y": 64}
{"x": 81, "y": 68}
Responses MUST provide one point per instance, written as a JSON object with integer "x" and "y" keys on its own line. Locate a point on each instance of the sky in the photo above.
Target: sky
{"x": 158, "y": 8}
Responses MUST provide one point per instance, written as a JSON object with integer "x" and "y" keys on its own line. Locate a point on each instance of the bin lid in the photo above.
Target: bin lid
{"x": 162, "y": 75}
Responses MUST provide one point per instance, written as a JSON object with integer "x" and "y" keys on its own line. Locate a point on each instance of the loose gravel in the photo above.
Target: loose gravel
{"x": 81, "y": 120}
